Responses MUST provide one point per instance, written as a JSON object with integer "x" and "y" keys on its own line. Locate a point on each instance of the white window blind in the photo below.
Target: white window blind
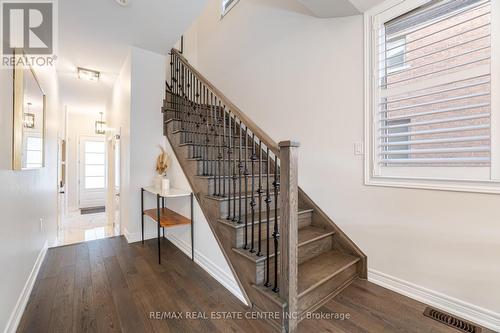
{"x": 431, "y": 91}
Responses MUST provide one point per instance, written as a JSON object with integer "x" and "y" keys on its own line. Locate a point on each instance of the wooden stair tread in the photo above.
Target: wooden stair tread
{"x": 307, "y": 234}
{"x": 256, "y": 218}
{"x": 320, "y": 269}
{"x": 168, "y": 218}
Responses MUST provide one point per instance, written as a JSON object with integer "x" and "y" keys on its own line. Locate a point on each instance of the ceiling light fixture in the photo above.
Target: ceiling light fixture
{"x": 123, "y": 3}
{"x": 29, "y": 118}
{"x": 100, "y": 125}
{"x": 88, "y": 74}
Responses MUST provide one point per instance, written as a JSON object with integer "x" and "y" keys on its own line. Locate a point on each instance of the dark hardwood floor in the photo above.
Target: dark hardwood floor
{"x": 110, "y": 286}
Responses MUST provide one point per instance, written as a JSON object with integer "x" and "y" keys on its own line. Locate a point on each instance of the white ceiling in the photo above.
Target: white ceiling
{"x": 338, "y": 8}
{"x": 364, "y": 5}
{"x": 330, "y": 8}
{"x": 96, "y": 34}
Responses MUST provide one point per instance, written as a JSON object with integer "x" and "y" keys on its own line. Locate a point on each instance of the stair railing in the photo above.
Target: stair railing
{"x": 235, "y": 152}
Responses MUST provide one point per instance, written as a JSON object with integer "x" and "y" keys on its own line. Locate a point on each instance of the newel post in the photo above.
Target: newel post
{"x": 289, "y": 230}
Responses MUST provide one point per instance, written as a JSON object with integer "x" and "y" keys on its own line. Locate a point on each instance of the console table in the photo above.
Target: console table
{"x": 164, "y": 217}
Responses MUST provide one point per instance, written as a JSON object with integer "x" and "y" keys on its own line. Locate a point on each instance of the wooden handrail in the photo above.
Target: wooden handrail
{"x": 254, "y": 128}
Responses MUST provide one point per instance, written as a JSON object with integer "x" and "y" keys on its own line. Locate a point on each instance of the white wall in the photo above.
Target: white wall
{"x": 299, "y": 77}
{"x": 80, "y": 123}
{"x": 146, "y": 131}
{"x": 25, "y": 198}
{"x": 118, "y": 117}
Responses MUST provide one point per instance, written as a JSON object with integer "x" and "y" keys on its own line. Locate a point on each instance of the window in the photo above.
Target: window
{"x": 399, "y": 150}
{"x": 34, "y": 156}
{"x": 430, "y": 100}
{"x": 396, "y": 54}
{"x": 95, "y": 166}
{"x": 227, "y": 5}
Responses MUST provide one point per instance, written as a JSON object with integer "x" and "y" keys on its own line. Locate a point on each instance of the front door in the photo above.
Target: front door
{"x": 92, "y": 172}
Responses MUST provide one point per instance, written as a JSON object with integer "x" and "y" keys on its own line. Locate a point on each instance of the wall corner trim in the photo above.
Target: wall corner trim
{"x": 22, "y": 301}
{"x": 475, "y": 314}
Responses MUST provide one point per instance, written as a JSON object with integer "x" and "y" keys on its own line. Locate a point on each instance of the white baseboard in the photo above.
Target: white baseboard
{"x": 473, "y": 313}
{"x": 227, "y": 280}
{"x": 22, "y": 301}
{"x": 149, "y": 233}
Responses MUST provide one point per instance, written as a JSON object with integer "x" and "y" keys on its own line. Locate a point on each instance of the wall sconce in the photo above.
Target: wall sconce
{"x": 100, "y": 125}
{"x": 29, "y": 118}
{"x": 88, "y": 74}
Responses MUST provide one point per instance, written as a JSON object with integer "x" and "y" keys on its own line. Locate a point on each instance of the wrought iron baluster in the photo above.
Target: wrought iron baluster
{"x": 259, "y": 193}
{"x": 276, "y": 234}
{"x": 219, "y": 148}
{"x": 183, "y": 92}
{"x": 224, "y": 150}
{"x": 240, "y": 171}
{"x": 229, "y": 153}
{"x": 268, "y": 212}
{"x": 199, "y": 126}
{"x": 176, "y": 74}
{"x": 196, "y": 121}
{"x": 252, "y": 198}
{"x": 192, "y": 107}
{"x": 216, "y": 144}
{"x": 213, "y": 153}
{"x": 235, "y": 177}
{"x": 209, "y": 143}
{"x": 246, "y": 188}
{"x": 189, "y": 110}
{"x": 205, "y": 122}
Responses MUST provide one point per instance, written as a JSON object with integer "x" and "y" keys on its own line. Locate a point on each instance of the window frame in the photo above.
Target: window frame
{"x": 394, "y": 8}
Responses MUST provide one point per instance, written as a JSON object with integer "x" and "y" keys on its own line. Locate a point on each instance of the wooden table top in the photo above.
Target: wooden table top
{"x": 168, "y": 218}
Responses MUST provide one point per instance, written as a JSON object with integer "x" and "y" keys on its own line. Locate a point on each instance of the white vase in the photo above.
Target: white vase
{"x": 165, "y": 184}
{"x": 157, "y": 181}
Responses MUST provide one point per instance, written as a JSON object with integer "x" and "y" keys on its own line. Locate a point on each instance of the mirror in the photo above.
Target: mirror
{"x": 29, "y": 120}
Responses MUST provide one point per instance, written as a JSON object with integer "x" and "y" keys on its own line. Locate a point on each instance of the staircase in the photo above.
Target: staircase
{"x": 289, "y": 258}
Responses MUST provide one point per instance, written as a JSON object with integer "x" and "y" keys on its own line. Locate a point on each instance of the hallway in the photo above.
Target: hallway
{"x": 110, "y": 286}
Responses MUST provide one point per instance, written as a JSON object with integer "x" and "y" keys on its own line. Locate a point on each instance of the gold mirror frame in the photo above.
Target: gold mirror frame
{"x": 18, "y": 124}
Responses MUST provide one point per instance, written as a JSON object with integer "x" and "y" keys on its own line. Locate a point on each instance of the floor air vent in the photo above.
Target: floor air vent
{"x": 451, "y": 320}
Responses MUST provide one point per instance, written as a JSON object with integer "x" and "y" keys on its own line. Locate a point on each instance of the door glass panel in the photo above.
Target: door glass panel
{"x": 94, "y": 165}
{"x": 94, "y": 147}
{"x": 94, "y": 171}
{"x": 94, "y": 159}
{"x": 94, "y": 183}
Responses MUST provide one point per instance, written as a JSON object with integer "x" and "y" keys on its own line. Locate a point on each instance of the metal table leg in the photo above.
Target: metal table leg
{"x": 159, "y": 226}
{"x": 142, "y": 213}
{"x": 163, "y": 206}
